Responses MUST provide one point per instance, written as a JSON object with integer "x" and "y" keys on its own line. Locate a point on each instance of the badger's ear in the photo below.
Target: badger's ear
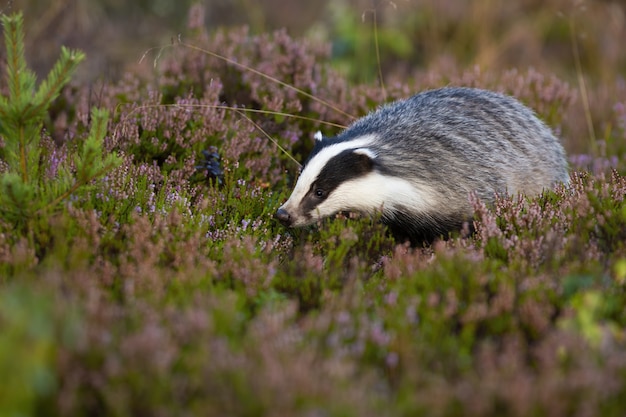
{"x": 318, "y": 136}
{"x": 366, "y": 152}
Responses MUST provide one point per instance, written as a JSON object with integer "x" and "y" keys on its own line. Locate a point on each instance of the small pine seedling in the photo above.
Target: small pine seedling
{"x": 24, "y": 190}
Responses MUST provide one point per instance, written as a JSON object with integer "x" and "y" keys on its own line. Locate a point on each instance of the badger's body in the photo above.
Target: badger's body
{"x": 416, "y": 161}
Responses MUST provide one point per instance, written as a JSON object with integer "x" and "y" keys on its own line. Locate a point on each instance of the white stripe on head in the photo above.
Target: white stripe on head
{"x": 376, "y": 192}
{"x": 315, "y": 165}
{"x": 367, "y": 152}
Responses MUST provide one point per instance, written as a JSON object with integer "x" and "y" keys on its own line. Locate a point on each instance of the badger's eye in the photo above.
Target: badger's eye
{"x": 319, "y": 193}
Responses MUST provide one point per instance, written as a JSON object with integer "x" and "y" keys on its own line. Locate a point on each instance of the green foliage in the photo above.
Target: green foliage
{"x": 26, "y": 349}
{"x": 24, "y": 110}
{"x": 90, "y": 162}
{"x": 354, "y": 42}
{"x": 591, "y": 316}
{"x": 29, "y": 341}
{"x": 25, "y": 190}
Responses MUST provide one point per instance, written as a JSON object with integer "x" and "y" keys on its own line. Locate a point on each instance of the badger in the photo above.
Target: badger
{"x": 416, "y": 161}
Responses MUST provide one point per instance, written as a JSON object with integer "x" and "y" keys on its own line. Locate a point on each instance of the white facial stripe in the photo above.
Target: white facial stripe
{"x": 367, "y": 152}
{"x": 313, "y": 168}
{"x": 376, "y": 192}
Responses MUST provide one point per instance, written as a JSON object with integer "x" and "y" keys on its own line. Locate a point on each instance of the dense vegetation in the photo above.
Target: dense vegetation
{"x": 141, "y": 272}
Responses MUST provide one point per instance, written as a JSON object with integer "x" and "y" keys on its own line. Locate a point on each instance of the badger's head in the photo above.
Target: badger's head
{"x": 330, "y": 180}
{"x": 345, "y": 175}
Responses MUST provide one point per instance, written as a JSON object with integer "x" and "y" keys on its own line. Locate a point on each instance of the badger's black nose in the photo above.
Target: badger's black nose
{"x": 283, "y": 216}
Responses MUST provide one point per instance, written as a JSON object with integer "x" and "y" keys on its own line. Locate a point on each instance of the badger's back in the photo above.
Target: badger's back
{"x": 480, "y": 140}
{"x": 446, "y": 144}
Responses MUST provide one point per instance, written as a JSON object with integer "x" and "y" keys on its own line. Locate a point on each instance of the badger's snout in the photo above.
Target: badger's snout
{"x": 284, "y": 217}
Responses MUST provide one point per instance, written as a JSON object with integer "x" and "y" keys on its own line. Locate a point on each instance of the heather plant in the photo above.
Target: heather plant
{"x": 162, "y": 290}
{"x": 284, "y": 86}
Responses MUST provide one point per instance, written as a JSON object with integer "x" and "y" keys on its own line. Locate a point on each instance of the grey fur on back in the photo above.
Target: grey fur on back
{"x": 463, "y": 138}
{"x": 456, "y": 131}
{"x": 458, "y": 141}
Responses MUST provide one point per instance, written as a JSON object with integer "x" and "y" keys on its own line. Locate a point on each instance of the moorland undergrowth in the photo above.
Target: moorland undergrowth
{"x": 142, "y": 272}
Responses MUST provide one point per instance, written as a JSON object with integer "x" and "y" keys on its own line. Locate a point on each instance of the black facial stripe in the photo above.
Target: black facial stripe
{"x": 341, "y": 168}
{"x": 326, "y": 142}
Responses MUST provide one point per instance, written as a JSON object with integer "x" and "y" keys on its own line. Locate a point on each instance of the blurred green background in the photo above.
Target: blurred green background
{"x": 413, "y": 34}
